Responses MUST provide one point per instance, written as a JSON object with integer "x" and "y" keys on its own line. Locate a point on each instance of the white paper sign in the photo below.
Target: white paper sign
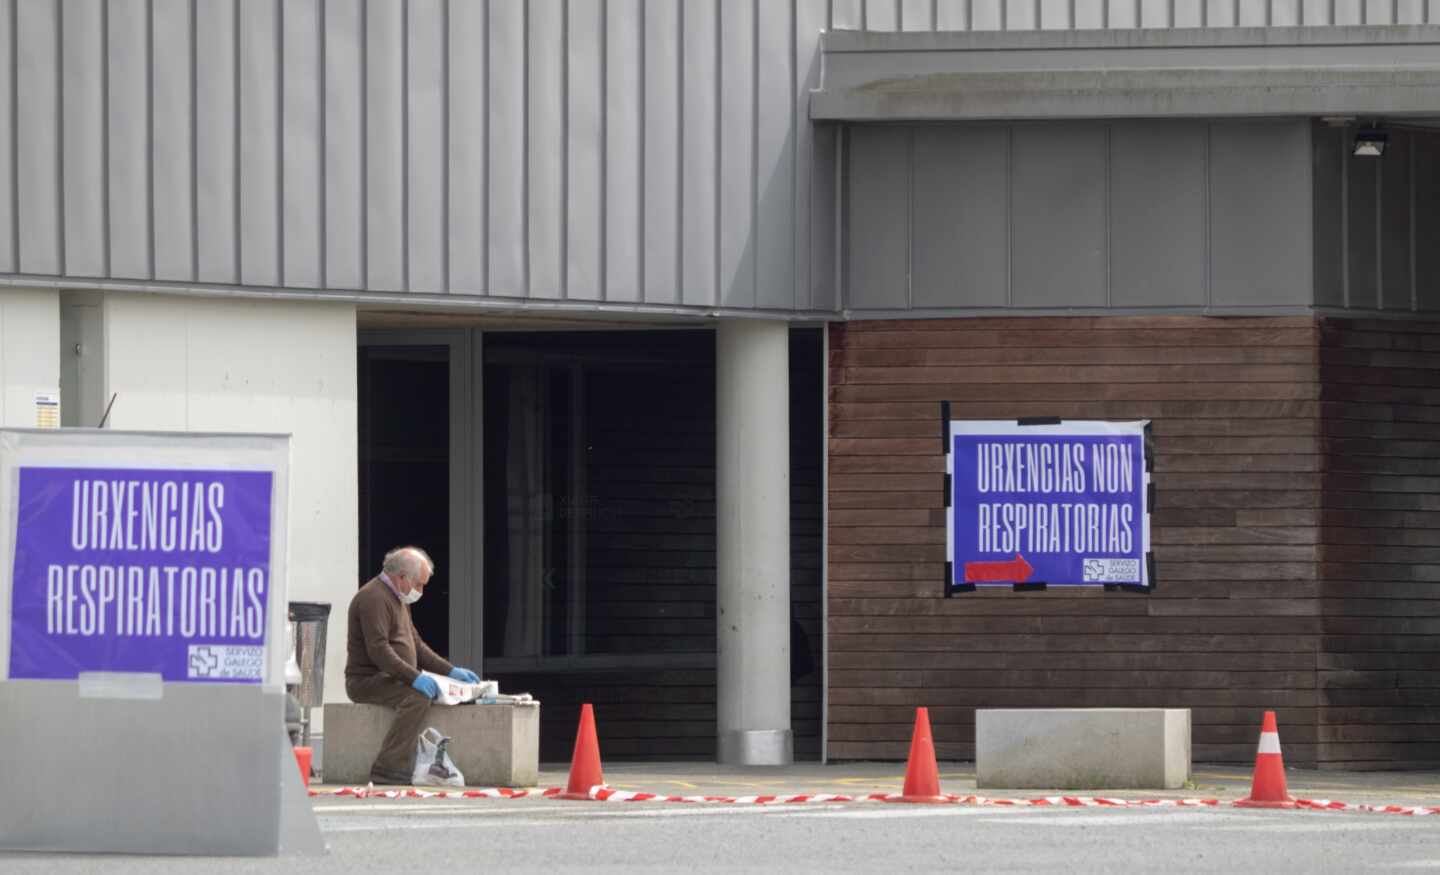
{"x": 47, "y": 409}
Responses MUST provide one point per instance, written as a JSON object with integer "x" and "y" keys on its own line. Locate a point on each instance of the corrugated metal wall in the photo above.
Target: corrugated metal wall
{"x": 1376, "y": 223}
{"x": 1064, "y": 215}
{"x": 621, "y": 151}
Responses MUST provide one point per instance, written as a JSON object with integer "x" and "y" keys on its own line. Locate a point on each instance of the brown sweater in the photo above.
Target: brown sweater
{"x": 382, "y": 637}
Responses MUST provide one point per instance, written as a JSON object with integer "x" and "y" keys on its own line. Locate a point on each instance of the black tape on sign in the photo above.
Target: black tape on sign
{"x": 1150, "y": 497}
{"x": 961, "y": 587}
{"x": 1149, "y": 450}
{"x": 1038, "y": 420}
{"x": 1127, "y": 587}
{"x": 948, "y": 490}
{"x": 1150, "y": 569}
{"x": 949, "y": 576}
{"x": 945, "y": 426}
{"x": 1033, "y": 586}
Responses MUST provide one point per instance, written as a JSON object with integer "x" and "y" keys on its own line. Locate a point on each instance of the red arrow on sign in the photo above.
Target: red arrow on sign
{"x": 1018, "y": 571}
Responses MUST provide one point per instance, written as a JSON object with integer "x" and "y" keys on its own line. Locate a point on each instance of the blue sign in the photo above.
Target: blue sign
{"x": 1059, "y": 504}
{"x": 140, "y": 570}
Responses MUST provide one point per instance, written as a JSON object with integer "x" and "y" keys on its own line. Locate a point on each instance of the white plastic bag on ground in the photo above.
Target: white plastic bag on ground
{"x": 433, "y": 766}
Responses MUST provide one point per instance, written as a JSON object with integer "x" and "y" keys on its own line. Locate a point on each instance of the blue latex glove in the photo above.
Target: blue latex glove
{"x": 426, "y": 685}
{"x": 464, "y": 676}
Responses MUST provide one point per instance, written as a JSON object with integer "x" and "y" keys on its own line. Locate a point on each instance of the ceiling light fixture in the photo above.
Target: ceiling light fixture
{"x": 1370, "y": 143}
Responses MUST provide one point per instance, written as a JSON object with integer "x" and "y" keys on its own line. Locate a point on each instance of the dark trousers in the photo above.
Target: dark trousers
{"x": 396, "y": 762}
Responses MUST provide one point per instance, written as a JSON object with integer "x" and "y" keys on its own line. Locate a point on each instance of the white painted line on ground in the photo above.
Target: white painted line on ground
{"x": 547, "y": 812}
{"x": 421, "y": 808}
{"x": 893, "y": 812}
{"x": 409, "y": 824}
{"x": 1060, "y": 818}
{"x": 1329, "y": 825}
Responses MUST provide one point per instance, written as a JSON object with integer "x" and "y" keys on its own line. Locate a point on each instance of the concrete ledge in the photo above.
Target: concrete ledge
{"x": 1128, "y": 73}
{"x": 493, "y": 745}
{"x": 1083, "y": 748}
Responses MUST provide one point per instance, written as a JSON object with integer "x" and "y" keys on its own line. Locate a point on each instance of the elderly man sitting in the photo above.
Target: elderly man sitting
{"x": 385, "y": 658}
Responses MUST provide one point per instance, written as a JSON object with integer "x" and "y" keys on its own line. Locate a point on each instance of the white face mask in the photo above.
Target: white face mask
{"x": 411, "y": 597}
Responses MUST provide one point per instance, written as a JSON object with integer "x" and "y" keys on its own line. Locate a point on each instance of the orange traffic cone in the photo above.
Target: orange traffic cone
{"x": 922, "y": 778}
{"x": 585, "y": 762}
{"x": 1267, "y": 787}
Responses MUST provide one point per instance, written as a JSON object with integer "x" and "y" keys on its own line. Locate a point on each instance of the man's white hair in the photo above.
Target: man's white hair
{"x": 408, "y": 561}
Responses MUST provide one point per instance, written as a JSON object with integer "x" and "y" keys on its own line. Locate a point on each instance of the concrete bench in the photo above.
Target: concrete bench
{"x": 1082, "y": 748}
{"x": 491, "y": 745}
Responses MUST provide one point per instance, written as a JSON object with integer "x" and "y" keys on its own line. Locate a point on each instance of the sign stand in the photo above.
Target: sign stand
{"x": 142, "y": 695}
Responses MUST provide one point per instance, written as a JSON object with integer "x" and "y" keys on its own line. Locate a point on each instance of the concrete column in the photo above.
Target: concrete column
{"x": 752, "y": 476}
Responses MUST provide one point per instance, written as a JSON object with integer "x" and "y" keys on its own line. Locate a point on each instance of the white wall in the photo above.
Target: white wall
{"x": 29, "y": 352}
{"x": 196, "y": 364}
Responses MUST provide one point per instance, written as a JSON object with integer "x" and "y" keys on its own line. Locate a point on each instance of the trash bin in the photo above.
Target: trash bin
{"x": 308, "y": 622}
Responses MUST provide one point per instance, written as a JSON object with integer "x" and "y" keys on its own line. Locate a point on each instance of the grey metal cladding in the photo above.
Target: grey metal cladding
{"x": 647, "y": 159}
{"x": 385, "y": 134}
{"x": 638, "y": 124}
{"x": 736, "y": 137}
{"x": 1260, "y": 214}
{"x": 960, "y": 217}
{"x": 699, "y": 150}
{"x": 1057, "y": 221}
{"x": 506, "y": 158}
{"x": 468, "y": 55}
{"x": 1363, "y": 253}
{"x": 1427, "y": 223}
{"x": 632, "y": 151}
{"x": 1157, "y": 214}
{"x": 1329, "y": 145}
{"x": 1396, "y": 280}
{"x": 544, "y": 146}
{"x": 173, "y": 177}
{"x": 1066, "y": 14}
{"x": 824, "y": 291}
{"x": 9, "y": 221}
{"x": 877, "y": 243}
{"x": 38, "y": 183}
{"x": 126, "y": 139}
{"x": 1376, "y": 220}
{"x": 82, "y": 120}
{"x": 261, "y": 219}
{"x": 344, "y": 133}
{"x": 217, "y": 145}
{"x": 426, "y": 145}
{"x": 1092, "y": 215}
{"x": 774, "y": 177}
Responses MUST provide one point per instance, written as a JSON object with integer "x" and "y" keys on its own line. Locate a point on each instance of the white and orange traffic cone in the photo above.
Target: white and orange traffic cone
{"x": 1267, "y": 787}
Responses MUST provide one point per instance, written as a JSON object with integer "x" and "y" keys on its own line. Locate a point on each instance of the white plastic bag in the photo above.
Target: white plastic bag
{"x": 433, "y": 766}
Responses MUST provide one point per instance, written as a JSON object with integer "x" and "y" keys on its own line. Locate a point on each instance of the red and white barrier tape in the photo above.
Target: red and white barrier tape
{"x": 609, "y": 794}
{"x": 1328, "y": 805}
{"x": 487, "y": 793}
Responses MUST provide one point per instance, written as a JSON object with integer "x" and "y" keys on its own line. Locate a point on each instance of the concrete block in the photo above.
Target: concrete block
{"x": 1083, "y": 748}
{"x": 492, "y": 745}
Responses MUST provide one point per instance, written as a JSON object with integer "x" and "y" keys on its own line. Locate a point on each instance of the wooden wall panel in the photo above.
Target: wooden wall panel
{"x": 1235, "y": 624}
{"x": 1380, "y": 545}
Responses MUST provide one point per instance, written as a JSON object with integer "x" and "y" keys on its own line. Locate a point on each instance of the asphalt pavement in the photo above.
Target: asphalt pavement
{"x": 540, "y": 834}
